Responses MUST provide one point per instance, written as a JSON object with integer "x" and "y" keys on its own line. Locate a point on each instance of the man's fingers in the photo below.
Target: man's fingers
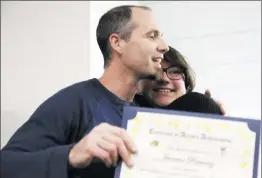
{"x": 208, "y": 93}
{"x": 121, "y": 147}
{"x": 111, "y": 142}
{"x": 219, "y": 103}
{"x": 125, "y": 155}
{"x": 102, "y": 153}
{"x": 122, "y": 140}
{"x": 221, "y": 107}
{"x": 128, "y": 141}
{"x": 119, "y": 132}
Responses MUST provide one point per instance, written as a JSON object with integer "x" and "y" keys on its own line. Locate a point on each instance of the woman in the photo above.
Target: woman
{"x": 177, "y": 79}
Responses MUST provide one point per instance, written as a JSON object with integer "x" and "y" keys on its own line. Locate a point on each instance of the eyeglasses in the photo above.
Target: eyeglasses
{"x": 174, "y": 73}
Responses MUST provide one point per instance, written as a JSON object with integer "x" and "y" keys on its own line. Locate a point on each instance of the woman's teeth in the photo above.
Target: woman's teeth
{"x": 164, "y": 90}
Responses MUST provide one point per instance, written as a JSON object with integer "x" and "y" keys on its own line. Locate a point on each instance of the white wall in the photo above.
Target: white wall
{"x": 222, "y": 41}
{"x": 44, "y": 47}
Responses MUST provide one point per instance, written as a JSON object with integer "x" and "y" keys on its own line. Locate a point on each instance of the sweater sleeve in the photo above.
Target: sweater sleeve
{"x": 40, "y": 147}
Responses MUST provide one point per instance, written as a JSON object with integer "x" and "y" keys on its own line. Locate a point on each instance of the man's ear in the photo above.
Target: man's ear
{"x": 116, "y": 43}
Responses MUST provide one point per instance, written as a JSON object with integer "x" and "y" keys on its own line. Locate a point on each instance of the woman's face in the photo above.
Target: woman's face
{"x": 165, "y": 91}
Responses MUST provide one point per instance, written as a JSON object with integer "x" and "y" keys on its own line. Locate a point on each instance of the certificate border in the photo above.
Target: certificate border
{"x": 130, "y": 112}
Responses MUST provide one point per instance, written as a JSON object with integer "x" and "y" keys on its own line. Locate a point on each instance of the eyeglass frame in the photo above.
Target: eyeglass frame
{"x": 182, "y": 72}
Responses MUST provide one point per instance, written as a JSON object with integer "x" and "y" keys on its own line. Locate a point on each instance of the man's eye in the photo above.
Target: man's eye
{"x": 152, "y": 36}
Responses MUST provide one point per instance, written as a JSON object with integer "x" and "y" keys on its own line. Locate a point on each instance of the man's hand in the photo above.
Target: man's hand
{"x": 222, "y": 109}
{"x": 105, "y": 142}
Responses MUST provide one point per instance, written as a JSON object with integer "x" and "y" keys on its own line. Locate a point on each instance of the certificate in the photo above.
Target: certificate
{"x": 174, "y": 144}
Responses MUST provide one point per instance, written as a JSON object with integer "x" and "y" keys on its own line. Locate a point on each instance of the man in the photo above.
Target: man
{"x": 75, "y": 133}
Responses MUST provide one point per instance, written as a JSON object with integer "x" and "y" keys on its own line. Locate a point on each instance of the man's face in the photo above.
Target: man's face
{"x": 164, "y": 91}
{"x": 143, "y": 52}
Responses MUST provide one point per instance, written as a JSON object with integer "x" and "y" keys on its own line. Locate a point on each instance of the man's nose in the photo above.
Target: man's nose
{"x": 162, "y": 46}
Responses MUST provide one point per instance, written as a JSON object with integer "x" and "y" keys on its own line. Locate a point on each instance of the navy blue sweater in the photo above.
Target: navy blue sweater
{"x": 40, "y": 147}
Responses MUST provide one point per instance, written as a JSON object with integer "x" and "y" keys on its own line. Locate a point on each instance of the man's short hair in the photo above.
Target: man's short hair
{"x": 119, "y": 21}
